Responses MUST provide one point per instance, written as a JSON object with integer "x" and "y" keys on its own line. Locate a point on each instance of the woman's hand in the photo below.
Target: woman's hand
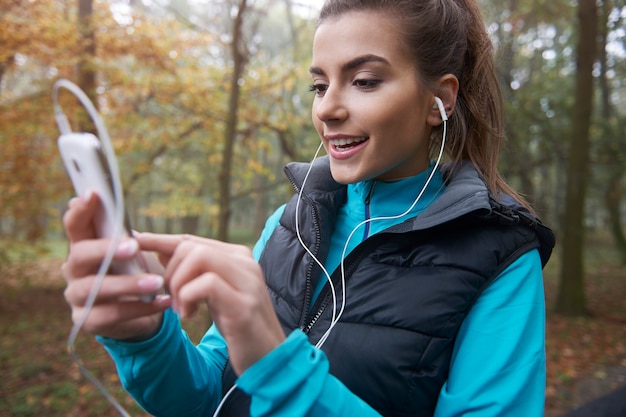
{"x": 229, "y": 280}
{"x": 117, "y": 311}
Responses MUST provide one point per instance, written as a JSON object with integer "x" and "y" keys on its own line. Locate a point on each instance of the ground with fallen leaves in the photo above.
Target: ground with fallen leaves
{"x": 586, "y": 356}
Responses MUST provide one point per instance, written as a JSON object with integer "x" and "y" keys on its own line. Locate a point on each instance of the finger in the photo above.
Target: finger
{"x": 86, "y": 256}
{"x": 238, "y": 273}
{"x": 162, "y": 244}
{"x": 112, "y": 288}
{"x": 234, "y": 263}
{"x": 121, "y": 321}
{"x": 246, "y": 320}
{"x": 188, "y": 262}
{"x": 167, "y": 244}
{"x": 154, "y": 265}
{"x": 78, "y": 219}
{"x": 209, "y": 288}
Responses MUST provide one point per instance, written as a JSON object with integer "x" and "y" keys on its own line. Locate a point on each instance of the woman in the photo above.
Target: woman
{"x": 389, "y": 285}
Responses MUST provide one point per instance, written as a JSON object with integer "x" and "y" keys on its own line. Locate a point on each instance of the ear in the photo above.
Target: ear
{"x": 447, "y": 91}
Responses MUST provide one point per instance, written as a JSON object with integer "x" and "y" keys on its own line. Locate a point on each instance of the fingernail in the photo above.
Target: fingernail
{"x": 150, "y": 283}
{"x": 86, "y": 196}
{"x": 163, "y": 300}
{"x": 127, "y": 247}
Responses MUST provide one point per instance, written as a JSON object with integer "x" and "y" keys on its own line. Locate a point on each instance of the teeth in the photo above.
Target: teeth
{"x": 346, "y": 141}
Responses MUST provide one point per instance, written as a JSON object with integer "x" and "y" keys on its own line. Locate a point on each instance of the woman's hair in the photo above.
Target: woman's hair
{"x": 449, "y": 37}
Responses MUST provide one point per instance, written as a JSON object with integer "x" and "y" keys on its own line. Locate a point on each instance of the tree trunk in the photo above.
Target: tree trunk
{"x": 240, "y": 55}
{"x": 149, "y": 224}
{"x": 612, "y": 199}
{"x": 571, "y": 297}
{"x": 4, "y": 66}
{"x": 85, "y": 69}
{"x": 293, "y": 31}
{"x": 189, "y": 224}
{"x": 614, "y": 192}
{"x": 260, "y": 200}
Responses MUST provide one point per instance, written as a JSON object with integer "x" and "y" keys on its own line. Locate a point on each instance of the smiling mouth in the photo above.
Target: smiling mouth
{"x": 346, "y": 143}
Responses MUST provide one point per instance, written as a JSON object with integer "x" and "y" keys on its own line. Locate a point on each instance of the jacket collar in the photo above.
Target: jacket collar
{"x": 465, "y": 190}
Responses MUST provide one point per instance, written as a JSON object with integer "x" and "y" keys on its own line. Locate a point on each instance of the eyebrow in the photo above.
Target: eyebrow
{"x": 353, "y": 63}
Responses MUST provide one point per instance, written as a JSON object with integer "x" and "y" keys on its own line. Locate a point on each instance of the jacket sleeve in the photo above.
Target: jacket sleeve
{"x": 167, "y": 375}
{"x": 270, "y": 225}
{"x": 293, "y": 380}
{"x": 498, "y": 365}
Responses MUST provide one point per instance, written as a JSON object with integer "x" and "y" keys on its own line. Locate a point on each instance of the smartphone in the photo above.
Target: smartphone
{"x": 86, "y": 165}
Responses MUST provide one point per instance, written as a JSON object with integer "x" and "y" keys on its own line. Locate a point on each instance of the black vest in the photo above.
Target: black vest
{"x": 408, "y": 288}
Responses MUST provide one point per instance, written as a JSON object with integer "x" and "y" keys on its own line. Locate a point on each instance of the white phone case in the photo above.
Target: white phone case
{"x": 87, "y": 168}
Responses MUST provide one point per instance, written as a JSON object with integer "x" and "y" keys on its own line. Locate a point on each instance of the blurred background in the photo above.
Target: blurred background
{"x": 206, "y": 100}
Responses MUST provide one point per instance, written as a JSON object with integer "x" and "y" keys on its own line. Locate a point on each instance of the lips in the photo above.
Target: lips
{"x": 346, "y": 142}
{"x": 344, "y": 147}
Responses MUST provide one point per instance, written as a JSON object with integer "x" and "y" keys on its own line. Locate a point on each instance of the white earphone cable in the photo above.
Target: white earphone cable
{"x": 230, "y": 391}
{"x": 64, "y": 128}
{"x": 306, "y": 248}
{"x": 336, "y": 316}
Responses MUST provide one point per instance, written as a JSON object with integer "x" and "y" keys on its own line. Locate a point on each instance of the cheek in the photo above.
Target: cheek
{"x": 319, "y": 126}
{"x": 388, "y": 112}
{"x": 392, "y": 122}
{"x": 317, "y": 123}
{"x": 405, "y": 118}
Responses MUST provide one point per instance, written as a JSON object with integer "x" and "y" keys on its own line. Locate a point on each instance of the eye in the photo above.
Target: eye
{"x": 318, "y": 89}
{"x": 366, "y": 84}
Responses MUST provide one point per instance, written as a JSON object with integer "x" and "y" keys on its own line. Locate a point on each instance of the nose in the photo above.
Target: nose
{"x": 331, "y": 106}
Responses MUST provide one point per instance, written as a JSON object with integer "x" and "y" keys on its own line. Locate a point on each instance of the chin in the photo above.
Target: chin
{"x": 343, "y": 177}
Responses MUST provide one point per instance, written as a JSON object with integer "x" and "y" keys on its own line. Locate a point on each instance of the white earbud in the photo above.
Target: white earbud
{"x": 442, "y": 109}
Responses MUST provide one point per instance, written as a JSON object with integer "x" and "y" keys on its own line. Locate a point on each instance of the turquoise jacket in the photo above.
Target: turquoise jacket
{"x": 497, "y": 367}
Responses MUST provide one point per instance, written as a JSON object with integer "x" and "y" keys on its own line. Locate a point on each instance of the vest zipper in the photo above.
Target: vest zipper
{"x": 222, "y": 379}
{"x": 368, "y": 199}
{"x": 308, "y": 287}
{"x": 316, "y": 317}
{"x": 308, "y": 281}
{"x": 351, "y": 262}
{"x": 324, "y": 293}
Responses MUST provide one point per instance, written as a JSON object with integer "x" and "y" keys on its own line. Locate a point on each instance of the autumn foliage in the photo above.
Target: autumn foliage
{"x": 163, "y": 92}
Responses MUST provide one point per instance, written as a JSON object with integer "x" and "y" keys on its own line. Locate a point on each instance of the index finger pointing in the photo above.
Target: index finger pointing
{"x": 167, "y": 244}
{"x": 155, "y": 242}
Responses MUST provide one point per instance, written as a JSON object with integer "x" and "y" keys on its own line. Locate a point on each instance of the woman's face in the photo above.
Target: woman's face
{"x": 369, "y": 109}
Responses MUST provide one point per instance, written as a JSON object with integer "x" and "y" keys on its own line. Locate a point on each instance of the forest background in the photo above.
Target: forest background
{"x": 206, "y": 100}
